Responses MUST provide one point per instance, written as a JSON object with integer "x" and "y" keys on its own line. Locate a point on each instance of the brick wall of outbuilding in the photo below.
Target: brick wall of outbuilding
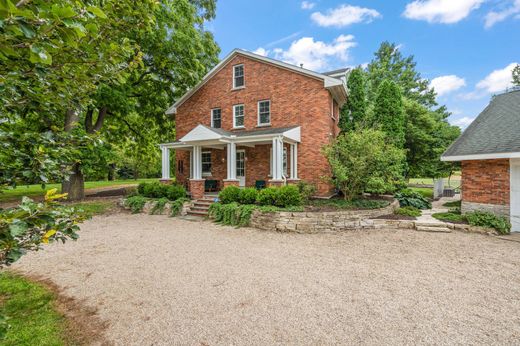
{"x": 295, "y": 100}
{"x": 486, "y": 181}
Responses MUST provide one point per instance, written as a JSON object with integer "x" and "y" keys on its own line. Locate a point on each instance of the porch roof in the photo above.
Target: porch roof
{"x": 202, "y": 134}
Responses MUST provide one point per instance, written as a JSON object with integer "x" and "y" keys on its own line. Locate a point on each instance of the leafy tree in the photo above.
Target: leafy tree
{"x": 388, "y": 112}
{"x": 364, "y": 160}
{"x": 390, "y": 64}
{"x": 516, "y": 75}
{"x": 353, "y": 113}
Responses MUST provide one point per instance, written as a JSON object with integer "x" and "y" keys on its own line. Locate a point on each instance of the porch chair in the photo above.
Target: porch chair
{"x": 260, "y": 184}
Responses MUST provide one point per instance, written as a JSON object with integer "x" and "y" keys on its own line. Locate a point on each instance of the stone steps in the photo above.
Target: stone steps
{"x": 201, "y": 206}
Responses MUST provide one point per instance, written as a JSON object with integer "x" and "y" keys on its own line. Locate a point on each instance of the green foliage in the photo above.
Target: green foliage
{"x": 247, "y": 196}
{"x": 409, "y": 211}
{"x": 516, "y": 75}
{"x": 450, "y": 217}
{"x": 361, "y": 157}
{"x": 389, "y": 113}
{"x": 453, "y": 204}
{"x": 232, "y": 214}
{"x": 30, "y": 315}
{"x": 158, "y": 206}
{"x": 93, "y": 208}
{"x": 159, "y": 190}
{"x": 353, "y": 113}
{"x": 410, "y": 198}
{"x": 27, "y": 226}
{"x": 288, "y": 195}
{"x": 306, "y": 190}
{"x": 426, "y": 192}
{"x": 272, "y": 208}
{"x": 229, "y": 194}
{"x": 349, "y": 204}
{"x": 490, "y": 220}
{"x": 267, "y": 196}
{"x": 135, "y": 203}
{"x": 176, "y": 206}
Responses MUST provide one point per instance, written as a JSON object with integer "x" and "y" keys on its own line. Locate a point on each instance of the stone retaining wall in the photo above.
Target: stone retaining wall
{"x": 149, "y": 205}
{"x": 314, "y": 222}
{"x": 498, "y": 209}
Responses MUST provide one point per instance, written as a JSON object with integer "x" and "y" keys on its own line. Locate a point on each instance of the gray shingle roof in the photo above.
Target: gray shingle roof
{"x": 496, "y": 129}
{"x": 246, "y": 133}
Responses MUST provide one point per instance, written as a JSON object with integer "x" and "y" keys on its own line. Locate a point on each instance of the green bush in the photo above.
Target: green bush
{"x": 288, "y": 195}
{"x": 135, "y": 203}
{"x": 306, "y": 190}
{"x": 379, "y": 186}
{"x": 159, "y": 190}
{"x": 229, "y": 194}
{"x": 410, "y": 198}
{"x": 490, "y": 220}
{"x": 247, "y": 196}
{"x": 408, "y": 211}
{"x": 159, "y": 205}
{"x": 267, "y": 196}
{"x": 175, "y": 192}
{"x": 176, "y": 206}
{"x": 232, "y": 214}
{"x": 450, "y": 217}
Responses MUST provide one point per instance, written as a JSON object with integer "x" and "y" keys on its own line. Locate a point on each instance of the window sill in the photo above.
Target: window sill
{"x": 238, "y": 127}
{"x": 206, "y": 174}
{"x": 264, "y": 125}
{"x": 238, "y": 88}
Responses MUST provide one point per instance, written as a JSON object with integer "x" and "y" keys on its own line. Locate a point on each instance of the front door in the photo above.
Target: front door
{"x": 515, "y": 195}
{"x": 241, "y": 167}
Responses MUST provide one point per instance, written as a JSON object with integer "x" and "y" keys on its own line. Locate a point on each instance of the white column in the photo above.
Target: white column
{"x": 294, "y": 161}
{"x": 165, "y": 156}
{"x": 277, "y": 159}
{"x": 231, "y": 161}
{"x": 191, "y": 164}
{"x": 197, "y": 162}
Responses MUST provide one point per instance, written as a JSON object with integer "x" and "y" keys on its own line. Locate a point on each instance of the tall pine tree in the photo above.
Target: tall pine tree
{"x": 353, "y": 113}
{"x": 389, "y": 112}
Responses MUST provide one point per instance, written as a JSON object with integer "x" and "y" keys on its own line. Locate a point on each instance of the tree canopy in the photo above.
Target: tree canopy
{"x": 388, "y": 111}
{"x": 354, "y": 112}
{"x": 516, "y": 75}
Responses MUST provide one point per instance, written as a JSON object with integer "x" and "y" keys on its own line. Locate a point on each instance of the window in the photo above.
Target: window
{"x": 206, "y": 162}
{"x": 238, "y": 76}
{"x": 238, "y": 116}
{"x": 180, "y": 166}
{"x": 284, "y": 161}
{"x": 264, "y": 112}
{"x": 216, "y": 118}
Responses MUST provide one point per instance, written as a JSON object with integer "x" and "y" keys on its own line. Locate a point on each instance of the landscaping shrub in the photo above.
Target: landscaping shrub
{"x": 490, "y": 220}
{"x": 306, "y": 190}
{"x": 175, "y": 192}
{"x": 159, "y": 190}
{"x": 232, "y": 214}
{"x": 267, "y": 196}
{"x": 452, "y": 204}
{"x": 135, "y": 203}
{"x": 409, "y": 198}
{"x": 159, "y": 205}
{"x": 409, "y": 211}
{"x": 176, "y": 206}
{"x": 353, "y": 204}
{"x": 247, "y": 196}
{"x": 288, "y": 195}
{"x": 229, "y": 194}
{"x": 450, "y": 217}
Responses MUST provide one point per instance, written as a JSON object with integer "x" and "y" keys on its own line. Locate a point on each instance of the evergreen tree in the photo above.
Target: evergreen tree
{"x": 353, "y": 113}
{"x": 516, "y": 75}
{"x": 389, "y": 113}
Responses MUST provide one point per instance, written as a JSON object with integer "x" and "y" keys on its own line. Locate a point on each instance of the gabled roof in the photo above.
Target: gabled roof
{"x": 494, "y": 134}
{"x": 337, "y": 73}
{"x": 336, "y": 86}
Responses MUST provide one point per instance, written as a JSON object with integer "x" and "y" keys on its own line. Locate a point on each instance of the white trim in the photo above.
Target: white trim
{"x": 259, "y": 124}
{"x": 243, "y": 116}
{"x": 492, "y": 156}
{"x": 211, "y": 111}
{"x": 243, "y": 76}
{"x": 328, "y": 82}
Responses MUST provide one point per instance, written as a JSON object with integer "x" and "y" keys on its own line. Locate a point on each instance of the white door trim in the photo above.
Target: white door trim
{"x": 241, "y": 179}
{"x": 514, "y": 205}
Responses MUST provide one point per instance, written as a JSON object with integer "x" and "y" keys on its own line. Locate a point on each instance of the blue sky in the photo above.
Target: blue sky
{"x": 465, "y": 47}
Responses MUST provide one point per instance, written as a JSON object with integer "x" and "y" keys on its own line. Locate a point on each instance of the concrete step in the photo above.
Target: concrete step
{"x": 430, "y": 224}
{"x": 432, "y": 229}
{"x": 197, "y": 212}
{"x": 200, "y": 208}
{"x": 202, "y": 203}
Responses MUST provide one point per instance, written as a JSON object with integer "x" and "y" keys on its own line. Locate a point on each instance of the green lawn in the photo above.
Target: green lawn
{"x": 95, "y": 207}
{"x": 30, "y": 312}
{"x": 425, "y": 191}
{"x": 36, "y": 190}
{"x": 453, "y": 182}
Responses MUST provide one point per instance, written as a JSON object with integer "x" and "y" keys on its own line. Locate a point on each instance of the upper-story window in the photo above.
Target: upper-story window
{"x": 264, "y": 112}
{"x": 216, "y": 118}
{"x": 238, "y": 116}
{"x": 238, "y": 76}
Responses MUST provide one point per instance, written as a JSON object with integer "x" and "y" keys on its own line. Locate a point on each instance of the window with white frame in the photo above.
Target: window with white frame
{"x": 206, "y": 162}
{"x": 264, "y": 112}
{"x": 238, "y": 116}
{"x": 238, "y": 76}
{"x": 284, "y": 162}
{"x": 216, "y": 118}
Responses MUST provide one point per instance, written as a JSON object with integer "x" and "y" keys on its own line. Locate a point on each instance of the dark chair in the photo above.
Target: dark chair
{"x": 260, "y": 184}
{"x": 210, "y": 185}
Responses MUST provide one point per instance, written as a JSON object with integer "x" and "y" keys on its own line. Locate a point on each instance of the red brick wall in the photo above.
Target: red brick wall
{"x": 295, "y": 100}
{"x": 486, "y": 181}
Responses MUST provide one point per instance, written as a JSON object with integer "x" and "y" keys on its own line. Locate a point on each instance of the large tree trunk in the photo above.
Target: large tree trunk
{"x": 74, "y": 186}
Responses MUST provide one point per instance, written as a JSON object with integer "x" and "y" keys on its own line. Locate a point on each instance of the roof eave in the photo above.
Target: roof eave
{"x": 489, "y": 156}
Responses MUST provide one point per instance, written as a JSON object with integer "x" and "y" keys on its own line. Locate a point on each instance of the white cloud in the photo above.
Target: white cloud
{"x": 498, "y": 80}
{"x": 316, "y": 55}
{"x": 345, "y": 15}
{"x": 494, "y": 17}
{"x": 441, "y": 11}
{"x": 261, "y": 51}
{"x": 462, "y": 122}
{"x": 446, "y": 84}
{"x": 307, "y": 5}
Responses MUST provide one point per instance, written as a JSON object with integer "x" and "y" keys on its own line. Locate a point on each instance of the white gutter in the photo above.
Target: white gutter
{"x": 513, "y": 155}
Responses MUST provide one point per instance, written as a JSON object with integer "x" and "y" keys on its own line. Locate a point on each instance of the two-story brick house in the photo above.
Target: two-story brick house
{"x": 253, "y": 120}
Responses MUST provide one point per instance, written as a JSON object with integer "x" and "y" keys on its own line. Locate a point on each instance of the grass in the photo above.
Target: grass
{"x": 425, "y": 191}
{"x": 37, "y": 190}
{"x": 450, "y": 217}
{"x": 96, "y": 207}
{"x": 452, "y": 204}
{"x": 454, "y": 181}
{"x": 30, "y": 311}
{"x": 338, "y": 203}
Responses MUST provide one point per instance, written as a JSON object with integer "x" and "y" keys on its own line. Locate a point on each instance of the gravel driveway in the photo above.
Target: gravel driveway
{"x": 164, "y": 281}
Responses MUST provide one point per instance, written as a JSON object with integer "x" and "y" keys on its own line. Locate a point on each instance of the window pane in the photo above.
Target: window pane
{"x": 239, "y": 76}
{"x": 239, "y": 81}
{"x": 239, "y": 115}
{"x": 239, "y": 121}
{"x": 285, "y": 161}
{"x": 206, "y": 162}
{"x": 264, "y": 110}
{"x": 217, "y": 116}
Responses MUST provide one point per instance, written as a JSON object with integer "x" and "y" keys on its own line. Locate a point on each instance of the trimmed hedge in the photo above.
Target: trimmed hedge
{"x": 247, "y": 195}
{"x": 282, "y": 197}
{"x": 230, "y": 194}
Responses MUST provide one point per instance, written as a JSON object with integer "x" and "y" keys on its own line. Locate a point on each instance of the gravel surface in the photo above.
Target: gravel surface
{"x": 165, "y": 281}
